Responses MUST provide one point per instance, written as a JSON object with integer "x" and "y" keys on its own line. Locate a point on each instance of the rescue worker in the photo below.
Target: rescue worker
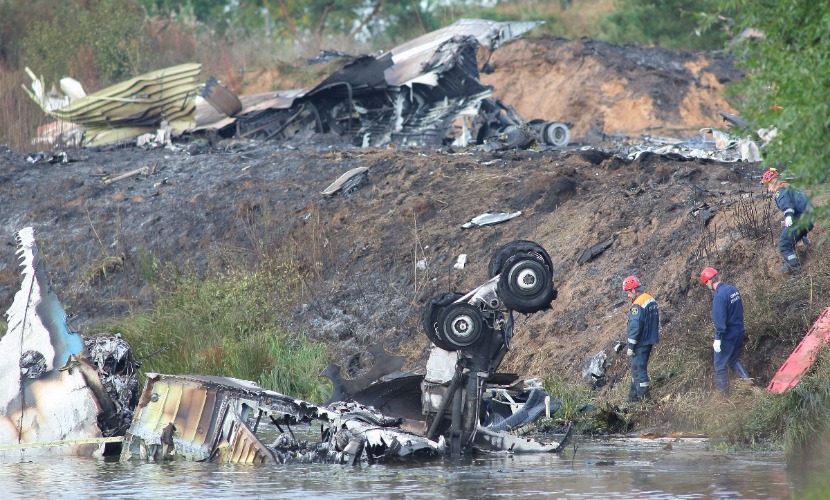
{"x": 642, "y": 334}
{"x": 728, "y": 317}
{"x": 798, "y": 218}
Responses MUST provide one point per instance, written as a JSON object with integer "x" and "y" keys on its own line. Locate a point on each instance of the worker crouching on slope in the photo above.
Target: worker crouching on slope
{"x": 643, "y": 325}
{"x": 798, "y": 219}
{"x": 728, "y": 317}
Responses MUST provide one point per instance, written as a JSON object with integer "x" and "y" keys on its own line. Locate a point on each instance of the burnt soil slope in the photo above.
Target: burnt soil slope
{"x": 373, "y": 258}
{"x": 364, "y": 248}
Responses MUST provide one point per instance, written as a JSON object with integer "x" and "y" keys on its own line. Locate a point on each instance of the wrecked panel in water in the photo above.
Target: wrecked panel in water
{"x": 206, "y": 418}
{"x": 199, "y": 418}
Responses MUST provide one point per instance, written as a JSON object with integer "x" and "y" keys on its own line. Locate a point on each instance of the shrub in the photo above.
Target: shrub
{"x": 92, "y": 43}
{"x": 674, "y": 24}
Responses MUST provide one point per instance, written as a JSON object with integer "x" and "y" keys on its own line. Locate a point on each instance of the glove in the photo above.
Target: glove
{"x": 716, "y": 345}
{"x": 630, "y": 352}
{"x": 788, "y": 221}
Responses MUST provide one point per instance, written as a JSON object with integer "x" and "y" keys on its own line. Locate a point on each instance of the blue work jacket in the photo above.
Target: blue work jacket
{"x": 727, "y": 312}
{"x": 791, "y": 201}
{"x": 643, "y": 321}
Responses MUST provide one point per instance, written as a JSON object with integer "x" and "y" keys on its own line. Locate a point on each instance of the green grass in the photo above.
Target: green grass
{"x": 226, "y": 324}
{"x": 297, "y": 362}
{"x": 804, "y": 410}
{"x": 573, "y": 397}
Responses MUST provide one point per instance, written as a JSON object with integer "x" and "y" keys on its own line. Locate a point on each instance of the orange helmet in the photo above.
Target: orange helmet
{"x": 708, "y": 274}
{"x": 631, "y": 283}
{"x": 769, "y": 176}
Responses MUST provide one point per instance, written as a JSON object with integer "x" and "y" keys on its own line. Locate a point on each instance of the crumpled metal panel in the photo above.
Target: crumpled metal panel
{"x": 132, "y": 107}
{"x": 242, "y": 446}
{"x": 113, "y": 359}
{"x": 190, "y": 406}
{"x": 358, "y": 74}
{"x": 207, "y": 415}
{"x": 486, "y": 439}
{"x": 143, "y": 100}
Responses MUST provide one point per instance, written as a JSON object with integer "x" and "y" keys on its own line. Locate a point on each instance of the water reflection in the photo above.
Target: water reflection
{"x": 598, "y": 469}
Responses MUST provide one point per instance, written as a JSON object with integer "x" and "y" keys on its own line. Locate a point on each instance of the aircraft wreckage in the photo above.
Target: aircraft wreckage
{"x": 62, "y": 394}
{"x": 424, "y": 92}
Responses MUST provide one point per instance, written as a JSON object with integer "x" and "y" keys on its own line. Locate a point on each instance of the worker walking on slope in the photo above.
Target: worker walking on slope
{"x": 642, "y": 334}
{"x": 728, "y": 317}
{"x": 798, "y": 218}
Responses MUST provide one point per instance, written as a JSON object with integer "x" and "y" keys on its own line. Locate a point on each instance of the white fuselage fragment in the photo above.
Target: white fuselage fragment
{"x": 38, "y": 402}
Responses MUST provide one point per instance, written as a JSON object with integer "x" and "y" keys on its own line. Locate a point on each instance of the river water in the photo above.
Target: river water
{"x": 619, "y": 468}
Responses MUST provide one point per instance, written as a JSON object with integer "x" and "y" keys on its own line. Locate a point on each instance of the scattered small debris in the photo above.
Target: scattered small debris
{"x": 488, "y": 219}
{"x": 703, "y": 212}
{"x": 594, "y": 371}
{"x": 590, "y": 253}
{"x": 348, "y": 182}
{"x": 126, "y": 175}
{"x": 40, "y": 157}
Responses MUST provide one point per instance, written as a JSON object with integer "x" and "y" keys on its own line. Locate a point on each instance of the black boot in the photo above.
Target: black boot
{"x": 794, "y": 266}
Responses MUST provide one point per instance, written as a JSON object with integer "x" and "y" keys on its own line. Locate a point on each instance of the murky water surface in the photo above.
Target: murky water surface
{"x": 596, "y": 469}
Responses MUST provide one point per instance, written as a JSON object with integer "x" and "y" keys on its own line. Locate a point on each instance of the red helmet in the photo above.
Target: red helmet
{"x": 631, "y": 283}
{"x": 769, "y": 175}
{"x": 708, "y": 274}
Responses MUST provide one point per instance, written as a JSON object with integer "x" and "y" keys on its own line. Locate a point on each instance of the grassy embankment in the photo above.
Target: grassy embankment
{"x": 778, "y": 313}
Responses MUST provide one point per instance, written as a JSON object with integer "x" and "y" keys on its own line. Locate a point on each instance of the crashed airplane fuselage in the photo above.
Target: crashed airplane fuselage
{"x": 63, "y": 394}
{"x": 424, "y": 92}
{"x": 412, "y": 95}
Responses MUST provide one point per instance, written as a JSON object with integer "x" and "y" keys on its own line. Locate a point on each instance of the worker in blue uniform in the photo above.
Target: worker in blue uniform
{"x": 642, "y": 334}
{"x": 798, "y": 218}
{"x": 728, "y": 317}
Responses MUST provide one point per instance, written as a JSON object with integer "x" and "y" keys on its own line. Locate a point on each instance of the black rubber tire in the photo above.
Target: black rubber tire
{"x": 505, "y": 252}
{"x": 526, "y": 285}
{"x": 557, "y": 134}
{"x": 430, "y": 315}
{"x": 462, "y": 325}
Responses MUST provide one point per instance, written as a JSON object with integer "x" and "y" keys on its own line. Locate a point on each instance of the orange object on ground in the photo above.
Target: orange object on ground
{"x": 790, "y": 373}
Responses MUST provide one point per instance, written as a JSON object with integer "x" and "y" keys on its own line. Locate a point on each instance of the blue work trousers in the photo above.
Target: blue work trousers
{"x": 729, "y": 357}
{"x": 789, "y": 237}
{"x": 639, "y": 372}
